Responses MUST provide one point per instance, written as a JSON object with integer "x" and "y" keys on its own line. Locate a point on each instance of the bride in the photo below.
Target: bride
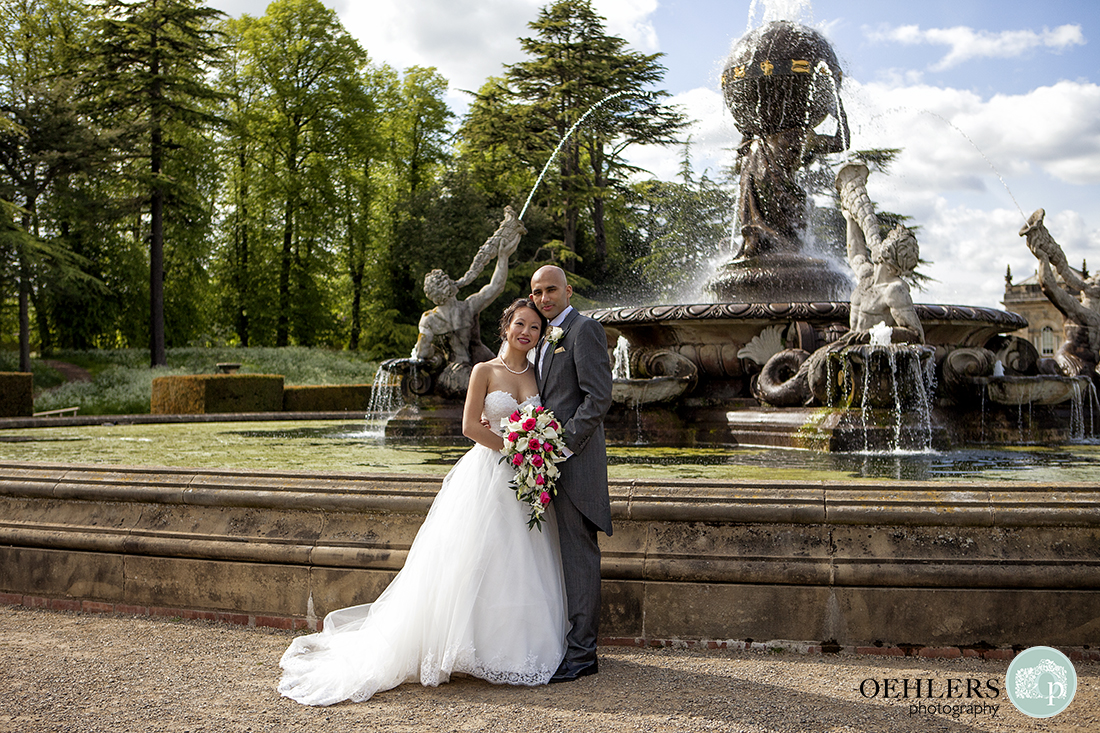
{"x": 480, "y": 593}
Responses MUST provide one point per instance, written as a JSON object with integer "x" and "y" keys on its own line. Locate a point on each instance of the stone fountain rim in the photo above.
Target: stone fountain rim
{"x": 825, "y": 312}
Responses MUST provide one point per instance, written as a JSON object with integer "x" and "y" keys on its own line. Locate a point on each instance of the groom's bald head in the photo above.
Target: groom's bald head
{"x": 550, "y": 290}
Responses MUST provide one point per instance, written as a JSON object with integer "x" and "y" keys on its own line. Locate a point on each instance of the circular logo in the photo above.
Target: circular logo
{"x": 1041, "y": 682}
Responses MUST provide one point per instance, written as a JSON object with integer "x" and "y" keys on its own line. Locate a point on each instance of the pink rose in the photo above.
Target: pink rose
{"x": 536, "y": 461}
{"x": 539, "y": 408}
{"x": 544, "y": 497}
{"x": 515, "y": 416}
{"x": 529, "y": 423}
{"x": 517, "y": 459}
{"x": 540, "y": 480}
{"x": 513, "y": 436}
{"x": 533, "y": 444}
{"x": 547, "y": 447}
{"x": 553, "y": 424}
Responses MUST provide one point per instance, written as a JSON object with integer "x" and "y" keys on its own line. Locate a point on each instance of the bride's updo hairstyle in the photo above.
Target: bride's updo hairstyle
{"x": 510, "y": 311}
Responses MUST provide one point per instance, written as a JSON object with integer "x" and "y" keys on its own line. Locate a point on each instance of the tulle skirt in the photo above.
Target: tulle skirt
{"x": 479, "y": 594}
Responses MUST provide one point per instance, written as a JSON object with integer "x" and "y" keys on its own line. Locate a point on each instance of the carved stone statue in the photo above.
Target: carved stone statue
{"x": 881, "y": 294}
{"x": 782, "y": 84}
{"x": 1080, "y": 350}
{"x": 455, "y": 320}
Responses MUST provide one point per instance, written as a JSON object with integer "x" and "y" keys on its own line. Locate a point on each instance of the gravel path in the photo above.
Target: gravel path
{"x": 88, "y": 673}
{"x": 71, "y": 372}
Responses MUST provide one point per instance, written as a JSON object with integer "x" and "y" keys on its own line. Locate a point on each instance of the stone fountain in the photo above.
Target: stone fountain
{"x": 781, "y": 83}
{"x": 787, "y": 356}
{"x": 781, "y": 349}
{"x": 784, "y": 355}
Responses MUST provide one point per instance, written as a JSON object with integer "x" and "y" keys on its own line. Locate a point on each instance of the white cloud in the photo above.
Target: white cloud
{"x": 470, "y": 40}
{"x": 951, "y": 136}
{"x": 712, "y": 134}
{"x": 1045, "y": 144}
{"x": 630, "y": 20}
{"x": 966, "y": 43}
{"x": 466, "y": 40}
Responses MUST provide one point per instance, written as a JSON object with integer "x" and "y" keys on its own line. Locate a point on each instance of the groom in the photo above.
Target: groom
{"x": 574, "y": 378}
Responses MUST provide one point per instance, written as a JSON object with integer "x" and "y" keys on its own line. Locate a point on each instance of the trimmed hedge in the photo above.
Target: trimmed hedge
{"x": 217, "y": 393}
{"x": 327, "y": 398}
{"x": 16, "y": 394}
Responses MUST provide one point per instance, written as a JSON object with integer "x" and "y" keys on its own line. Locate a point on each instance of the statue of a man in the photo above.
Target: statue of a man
{"x": 881, "y": 294}
{"x": 1080, "y": 350}
{"x": 457, "y": 319}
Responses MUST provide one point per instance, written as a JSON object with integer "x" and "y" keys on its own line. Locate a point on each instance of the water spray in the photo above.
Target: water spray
{"x": 559, "y": 147}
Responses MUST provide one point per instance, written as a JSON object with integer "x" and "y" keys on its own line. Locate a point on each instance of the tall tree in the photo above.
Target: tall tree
{"x": 152, "y": 61}
{"x": 242, "y": 291}
{"x": 679, "y": 227}
{"x": 307, "y": 64}
{"x": 44, "y": 141}
{"x": 364, "y": 180}
{"x": 573, "y": 65}
{"x": 418, "y": 132}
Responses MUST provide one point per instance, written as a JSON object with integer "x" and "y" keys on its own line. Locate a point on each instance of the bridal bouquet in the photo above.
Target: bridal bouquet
{"x": 532, "y": 445}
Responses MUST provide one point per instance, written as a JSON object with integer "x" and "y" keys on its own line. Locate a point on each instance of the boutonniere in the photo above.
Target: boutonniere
{"x": 554, "y": 334}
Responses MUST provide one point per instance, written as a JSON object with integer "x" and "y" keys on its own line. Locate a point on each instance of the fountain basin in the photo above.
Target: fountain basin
{"x": 633, "y": 392}
{"x": 1036, "y": 390}
{"x": 711, "y": 335}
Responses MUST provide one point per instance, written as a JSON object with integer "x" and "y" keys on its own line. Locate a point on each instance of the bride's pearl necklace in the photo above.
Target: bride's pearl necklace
{"x": 513, "y": 371}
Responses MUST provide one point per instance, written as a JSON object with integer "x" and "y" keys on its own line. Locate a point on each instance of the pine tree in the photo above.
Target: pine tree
{"x": 150, "y": 61}
{"x": 574, "y": 65}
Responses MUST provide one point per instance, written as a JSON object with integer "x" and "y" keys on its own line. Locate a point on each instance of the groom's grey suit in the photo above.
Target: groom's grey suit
{"x": 575, "y": 383}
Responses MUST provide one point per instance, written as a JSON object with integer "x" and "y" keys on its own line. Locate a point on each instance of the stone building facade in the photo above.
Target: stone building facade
{"x": 1044, "y": 328}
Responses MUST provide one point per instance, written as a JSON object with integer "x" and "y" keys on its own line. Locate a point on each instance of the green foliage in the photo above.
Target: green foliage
{"x": 303, "y": 191}
{"x": 679, "y": 227}
{"x": 148, "y": 70}
{"x": 572, "y": 66}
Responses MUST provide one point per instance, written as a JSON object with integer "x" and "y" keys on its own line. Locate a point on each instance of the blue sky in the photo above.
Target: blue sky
{"x": 1020, "y": 80}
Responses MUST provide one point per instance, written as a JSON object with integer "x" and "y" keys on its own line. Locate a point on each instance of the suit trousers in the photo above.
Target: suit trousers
{"x": 580, "y": 558}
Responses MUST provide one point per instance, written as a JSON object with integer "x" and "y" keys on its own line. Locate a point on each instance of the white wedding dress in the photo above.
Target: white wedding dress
{"x": 479, "y": 594}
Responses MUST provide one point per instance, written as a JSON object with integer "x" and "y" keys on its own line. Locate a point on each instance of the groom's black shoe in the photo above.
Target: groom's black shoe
{"x": 569, "y": 671}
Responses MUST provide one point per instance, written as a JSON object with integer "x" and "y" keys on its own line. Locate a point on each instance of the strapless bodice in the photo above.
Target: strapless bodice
{"x": 500, "y": 404}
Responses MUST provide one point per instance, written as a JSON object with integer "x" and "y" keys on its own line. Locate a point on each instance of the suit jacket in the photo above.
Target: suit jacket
{"x": 576, "y": 386}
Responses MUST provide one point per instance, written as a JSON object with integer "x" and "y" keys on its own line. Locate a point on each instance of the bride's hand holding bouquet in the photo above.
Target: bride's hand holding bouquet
{"x": 533, "y": 445}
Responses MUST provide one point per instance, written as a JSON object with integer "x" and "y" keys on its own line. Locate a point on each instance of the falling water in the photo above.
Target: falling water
{"x": 385, "y": 401}
{"x": 561, "y": 143}
{"x": 1094, "y": 403}
{"x": 992, "y": 167}
{"x": 823, "y": 68}
{"x": 920, "y": 380}
{"x": 1076, "y": 414}
{"x": 621, "y": 367}
{"x": 928, "y": 384}
{"x": 795, "y": 10}
{"x": 1081, "y": 426}
{"x": 865, "y": 402}
{"x": 898, "y": 412}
